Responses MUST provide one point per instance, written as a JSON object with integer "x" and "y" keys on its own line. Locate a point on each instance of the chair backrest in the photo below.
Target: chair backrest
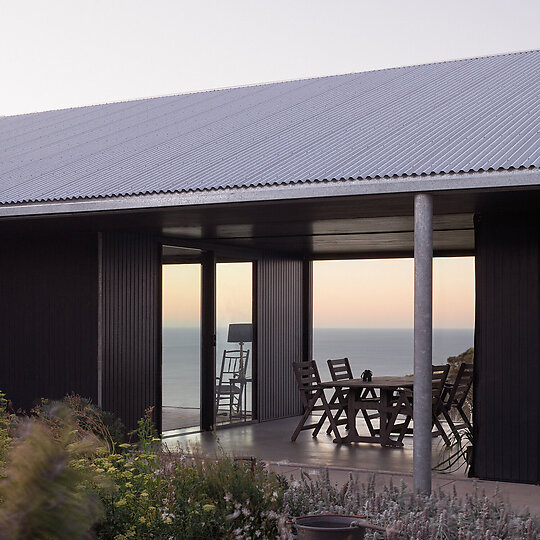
{"x": 460, "y": 389}
{"x": 307, "y": 376}
{"x": 231, "y": 365}
{"x": 438, "y": 378}
{"x": 340, "y": 369}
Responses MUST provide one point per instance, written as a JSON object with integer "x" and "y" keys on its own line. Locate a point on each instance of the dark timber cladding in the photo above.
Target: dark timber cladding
{"x": 507, "y": 352}
{"x": 131, "y": 325}
{"x": 280, "y": 335}
{"x": 48, "y": 318}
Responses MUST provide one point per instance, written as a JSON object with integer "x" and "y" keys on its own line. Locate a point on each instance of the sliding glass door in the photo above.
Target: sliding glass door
{"x": 234, "y": 342}
{"x": 181, "y": 353}
{"x": 198, "y": 340}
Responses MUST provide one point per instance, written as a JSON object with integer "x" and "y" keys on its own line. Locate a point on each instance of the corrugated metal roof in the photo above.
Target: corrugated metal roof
{"x": 460, "y": 116}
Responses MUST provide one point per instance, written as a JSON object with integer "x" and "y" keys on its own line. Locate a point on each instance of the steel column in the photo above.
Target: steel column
{"x": 208, "y": 342}
{"x": 307, "y": 308}
{"x": 423, "y": 294}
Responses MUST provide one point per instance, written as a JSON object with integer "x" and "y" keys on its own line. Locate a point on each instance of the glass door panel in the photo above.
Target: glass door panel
{"x": 234, "y": 351}
{"x": 181, "y": 346}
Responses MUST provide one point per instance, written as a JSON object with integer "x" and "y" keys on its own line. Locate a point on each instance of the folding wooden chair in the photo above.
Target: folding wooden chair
{"x": 438, "y": 380}
{"x": 404, "y": 404}
{"x": 340, "y": 370}
{"x": 455, "y": 397}
{"x": 313, "y": 399}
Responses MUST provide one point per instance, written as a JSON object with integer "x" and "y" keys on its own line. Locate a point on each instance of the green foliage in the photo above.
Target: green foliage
{"x": 65, "y": 479}
{"x": 458, "y": 455}
{"x": 43, "y": 494}
{"x": 455, "y": 362}
{"x": 88, "y": 418}
{"x": 177, "y": 495}
{"x": 7, "y": 423}
{"x": 146, "y": 433}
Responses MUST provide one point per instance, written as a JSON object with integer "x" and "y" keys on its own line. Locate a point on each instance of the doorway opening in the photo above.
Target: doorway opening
{"x": 181, "y": 339}
{"x": 234, "y": 340}
{"x": 229, "y": 394}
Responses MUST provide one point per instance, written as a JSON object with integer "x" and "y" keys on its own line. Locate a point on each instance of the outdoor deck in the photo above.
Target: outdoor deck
{"x": 270, "y": 442}
{"x": 181, "y": 418}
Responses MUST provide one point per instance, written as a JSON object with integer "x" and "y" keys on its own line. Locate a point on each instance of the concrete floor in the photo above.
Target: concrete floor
{"x": 177, "y": 418}
{"x": 270, "y": 442}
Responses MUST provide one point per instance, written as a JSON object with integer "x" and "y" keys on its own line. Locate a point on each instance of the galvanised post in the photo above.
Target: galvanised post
{"x": 423, "y": 293}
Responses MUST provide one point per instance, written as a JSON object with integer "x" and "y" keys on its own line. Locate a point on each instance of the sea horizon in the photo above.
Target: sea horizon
{"x": 385, "y": 351}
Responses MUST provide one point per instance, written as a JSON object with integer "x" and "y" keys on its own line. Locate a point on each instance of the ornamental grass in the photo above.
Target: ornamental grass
{"x": 64, "y": 475}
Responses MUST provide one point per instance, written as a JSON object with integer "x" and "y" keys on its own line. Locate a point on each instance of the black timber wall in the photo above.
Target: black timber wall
{"x": 130, "y": 333}
{"x": 281, "y": 335}
{"x": 507, "y": 352}
{"x": 48, "y": 318}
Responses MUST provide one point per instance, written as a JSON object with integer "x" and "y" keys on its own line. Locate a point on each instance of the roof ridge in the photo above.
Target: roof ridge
{"x": 279, "y": 81}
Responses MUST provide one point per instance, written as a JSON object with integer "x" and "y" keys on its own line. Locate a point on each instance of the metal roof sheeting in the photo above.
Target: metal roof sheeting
{"x": 459, "y": 116}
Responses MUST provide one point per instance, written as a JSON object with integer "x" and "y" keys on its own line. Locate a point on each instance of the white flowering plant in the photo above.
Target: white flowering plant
{"x": 186, "y": 495}
{"x": 441, "y": 515}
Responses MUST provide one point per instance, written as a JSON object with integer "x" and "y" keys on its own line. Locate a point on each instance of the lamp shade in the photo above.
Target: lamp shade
{"x": 240, "y": 333}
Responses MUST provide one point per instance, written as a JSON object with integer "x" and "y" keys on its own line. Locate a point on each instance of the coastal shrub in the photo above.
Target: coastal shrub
{"x": 7, "y": 423}
{"x": 88, "y": 419}
{"x": 63, "y": 479}
{"x": 457, "y": 455}
{"x": 455, "y": 362}
{"x": 42, "y": 494}
{"x": 175, "y": 495}
{"x": 417, "y": 517}
{"x": 145, "y": 434}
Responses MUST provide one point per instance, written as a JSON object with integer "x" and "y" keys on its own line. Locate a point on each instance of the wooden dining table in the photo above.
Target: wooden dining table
{"x": 386, "y": 406}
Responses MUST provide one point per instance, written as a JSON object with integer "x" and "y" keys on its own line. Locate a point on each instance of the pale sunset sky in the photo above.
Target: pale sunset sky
{"x": 347, "y": 294}
{"x": 68, "y": 53}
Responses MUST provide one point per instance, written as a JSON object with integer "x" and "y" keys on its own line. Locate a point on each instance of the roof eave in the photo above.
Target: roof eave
{"x": 487, "y": 181}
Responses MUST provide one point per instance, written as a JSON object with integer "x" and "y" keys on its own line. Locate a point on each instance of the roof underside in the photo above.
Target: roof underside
{"x": 460, "y": 116}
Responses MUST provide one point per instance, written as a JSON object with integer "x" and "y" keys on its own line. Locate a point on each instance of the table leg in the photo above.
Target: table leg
{"x": 351, "y": 414}
{"x": 383, "y": 417}
{"x": 386, "y": 414}
{"x": 352, "y": 434}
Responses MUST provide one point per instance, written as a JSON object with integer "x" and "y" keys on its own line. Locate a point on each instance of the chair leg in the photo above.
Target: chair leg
{"x": 450, "y": 422}
{"x": 339, "y": 412}
{"x": 330, "y": 417}
{"x": 331, "y": 402}
{"x": 440, "y": 430}
{"x": 319, "y": 425}
{"x": 403, "y": 432}
{"x": 338, "y": 396}
{"x": 305, "y": 416}
{"x": 464, "y": 417}
{"x": 403, "y": 406}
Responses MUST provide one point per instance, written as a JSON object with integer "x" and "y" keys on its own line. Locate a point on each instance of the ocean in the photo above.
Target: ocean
{"x": 383, "y": 351}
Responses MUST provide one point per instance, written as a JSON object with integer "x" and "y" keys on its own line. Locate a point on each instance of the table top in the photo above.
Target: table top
{"x": 376, "y": 382}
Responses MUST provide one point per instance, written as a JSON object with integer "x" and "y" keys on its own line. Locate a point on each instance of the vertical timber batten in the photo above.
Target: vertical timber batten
{"x": 48, "y": 314}
{"x": 280, "y": 335}
{"x": 423, "y": 328}
{"x": 131, "y": 326}
{"x": 506, "y": 410}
